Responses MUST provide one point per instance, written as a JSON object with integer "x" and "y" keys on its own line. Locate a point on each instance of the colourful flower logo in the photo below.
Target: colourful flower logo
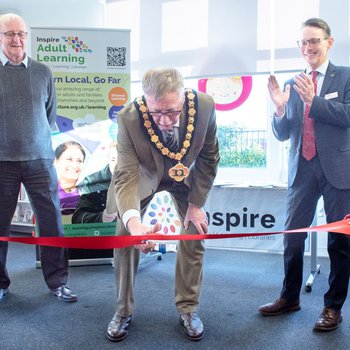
{"x": 76, "y": 44}
{"x": 163, "y": 212}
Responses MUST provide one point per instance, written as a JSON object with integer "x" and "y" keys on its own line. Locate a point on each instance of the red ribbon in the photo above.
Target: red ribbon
{"x": 110, "y": 242}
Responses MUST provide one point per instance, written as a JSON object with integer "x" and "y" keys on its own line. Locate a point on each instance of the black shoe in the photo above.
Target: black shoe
{"x": 193, "y": 326}
{"x": 3, "y": 293}
{"x": 118, "y": 328}
{"x": 65, "y": 294}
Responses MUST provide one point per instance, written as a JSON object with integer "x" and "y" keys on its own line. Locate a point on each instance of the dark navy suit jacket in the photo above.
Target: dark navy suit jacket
{"x": 331, "y": 112}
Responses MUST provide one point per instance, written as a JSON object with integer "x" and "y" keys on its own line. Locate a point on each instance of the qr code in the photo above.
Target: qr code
{"x": 116, "y": 56}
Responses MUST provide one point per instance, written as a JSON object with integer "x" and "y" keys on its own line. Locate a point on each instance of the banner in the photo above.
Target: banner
{"x": 232, "y": 209}
{"x": 247, "y": 209}
{"x": 91, "y": 69}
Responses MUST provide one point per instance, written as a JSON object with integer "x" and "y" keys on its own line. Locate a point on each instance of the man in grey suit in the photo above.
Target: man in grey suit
{"x": 314, "y": 114}
{"x": 166, "y": 141}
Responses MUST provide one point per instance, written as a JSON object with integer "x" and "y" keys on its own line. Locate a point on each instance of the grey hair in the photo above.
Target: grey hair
{"x": 318, "y": 23}
{"x": 8, "y": 17}
{"x": 158, "y": 82}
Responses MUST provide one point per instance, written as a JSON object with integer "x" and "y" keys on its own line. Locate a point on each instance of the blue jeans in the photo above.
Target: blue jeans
{"x": 40, "y": 181}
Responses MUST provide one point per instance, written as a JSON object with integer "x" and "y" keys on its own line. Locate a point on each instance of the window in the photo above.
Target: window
{"x": 223, "y": 39}
{"x": 248, "y": 149}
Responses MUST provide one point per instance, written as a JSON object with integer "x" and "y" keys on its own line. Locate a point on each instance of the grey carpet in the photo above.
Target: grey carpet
{"x": 235, "y": 284}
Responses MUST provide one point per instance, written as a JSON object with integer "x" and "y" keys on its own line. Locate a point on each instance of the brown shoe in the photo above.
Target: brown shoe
{"x": 328, "y": 320}
{"x": 279, "y": 306}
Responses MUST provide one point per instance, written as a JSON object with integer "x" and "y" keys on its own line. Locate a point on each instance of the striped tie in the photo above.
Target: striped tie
{"x": 171, "y": 141}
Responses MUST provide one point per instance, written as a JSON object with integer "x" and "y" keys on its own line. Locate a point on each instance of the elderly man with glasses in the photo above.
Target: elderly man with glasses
{"x": 27, "y": 113}
{"x": 166, "y": 141}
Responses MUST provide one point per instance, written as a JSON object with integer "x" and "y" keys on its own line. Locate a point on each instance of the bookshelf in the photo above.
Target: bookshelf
{"x": 22, "y": 218}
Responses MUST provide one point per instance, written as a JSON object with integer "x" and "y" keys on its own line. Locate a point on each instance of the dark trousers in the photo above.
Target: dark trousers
{"x": 302, "y": 197}
{"x": 40, "y": 181}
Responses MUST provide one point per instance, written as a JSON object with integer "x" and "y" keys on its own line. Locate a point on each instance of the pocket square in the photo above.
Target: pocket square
{"x": 331, "y": 95}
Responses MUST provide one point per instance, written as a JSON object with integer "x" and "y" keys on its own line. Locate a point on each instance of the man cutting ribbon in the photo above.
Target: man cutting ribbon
{"x": 149, "y": 161}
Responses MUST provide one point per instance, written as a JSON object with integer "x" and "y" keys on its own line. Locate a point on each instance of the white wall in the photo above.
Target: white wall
{"x": 237, "y": 34}
{"x": 57, "y": 13}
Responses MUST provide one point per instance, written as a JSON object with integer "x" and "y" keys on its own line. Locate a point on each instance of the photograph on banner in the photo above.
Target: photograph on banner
{"x": 91, "y": 70}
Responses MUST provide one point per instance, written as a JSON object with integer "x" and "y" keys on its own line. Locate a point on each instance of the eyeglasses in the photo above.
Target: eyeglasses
{"x": 170, "y": 114}
{"x": 11, "y": 35}
{"x": 312, "y": 42}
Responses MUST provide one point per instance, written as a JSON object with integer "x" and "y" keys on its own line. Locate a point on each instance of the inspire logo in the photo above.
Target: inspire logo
{"x": 51, "y": 49}
{"x": 163, "y": 212}
{"x": 77, "y": 45}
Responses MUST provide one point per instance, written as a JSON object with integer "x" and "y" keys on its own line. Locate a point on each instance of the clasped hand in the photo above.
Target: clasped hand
{"x": 303, "y": 86}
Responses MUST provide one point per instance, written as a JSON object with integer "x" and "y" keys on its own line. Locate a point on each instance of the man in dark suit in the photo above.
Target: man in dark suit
{"x": 313, "y": 113}
{"x": 166, "y": 141}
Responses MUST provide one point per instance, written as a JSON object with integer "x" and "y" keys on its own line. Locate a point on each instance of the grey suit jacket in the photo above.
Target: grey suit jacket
{"x": 331, "y": 112}
{"x": 140, "y": 166}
